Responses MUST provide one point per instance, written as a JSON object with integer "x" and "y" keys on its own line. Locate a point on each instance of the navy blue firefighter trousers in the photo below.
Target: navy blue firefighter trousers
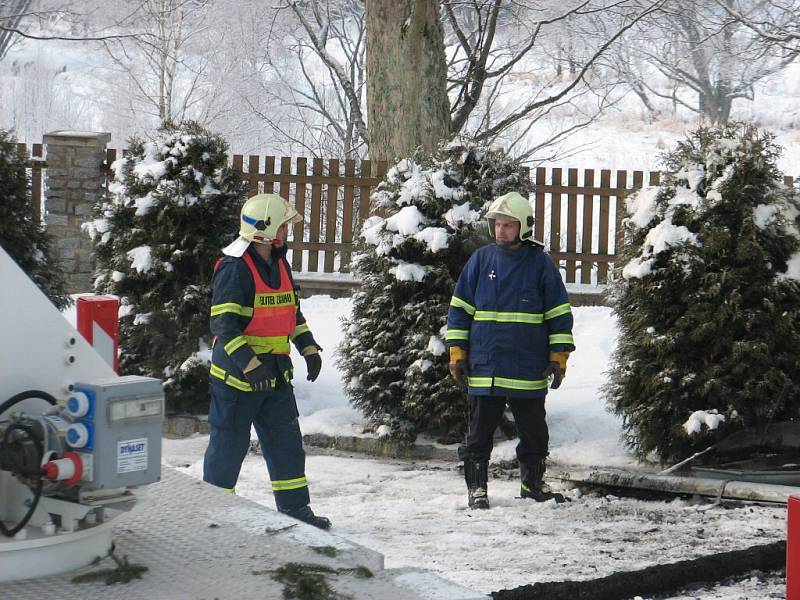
{"x": 274, "y": 417}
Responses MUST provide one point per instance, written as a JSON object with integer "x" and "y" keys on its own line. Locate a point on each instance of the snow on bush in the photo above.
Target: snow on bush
{"x": 709, "y": 298}
{"x": 22, "y": 235}
{"x": 711, "y": 419}
{"x": 174, "y": 205}
{"x": 410, "y": 254}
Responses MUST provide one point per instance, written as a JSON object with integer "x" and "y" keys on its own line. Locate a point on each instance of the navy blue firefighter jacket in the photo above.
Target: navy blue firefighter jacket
{"x": 509, "y": 310}
{"x": 231, "y": 309}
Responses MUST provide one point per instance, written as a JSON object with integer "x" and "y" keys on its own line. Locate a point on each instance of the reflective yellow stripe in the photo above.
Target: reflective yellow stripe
{"x": 235, "y": 344}
{"x": 561, "y": 338}
{"x": 459, "y": 303}
{"x": 299, "y": 330}
{"x": 283, "y": 485}
{"x": 520, "y": 384}
{"x": 238, "y": 383}
{"x": 563, "y": 309}
{"x": 480, "y": 382}
{"x": 268, "y": 344}
{"x": 508, "y": 317}
{"x": 232, "y": 307}
{"x": 243, "y": 386}
{"x": 505, "y": 382}
{"x": 457, "y": 334}
{"x": 229, "y": 379}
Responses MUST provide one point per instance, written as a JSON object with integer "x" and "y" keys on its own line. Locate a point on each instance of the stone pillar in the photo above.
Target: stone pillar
{"x": 74, "y": 180}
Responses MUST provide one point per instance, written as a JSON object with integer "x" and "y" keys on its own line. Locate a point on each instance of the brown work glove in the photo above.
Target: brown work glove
{"x": 557, "y": 367}
{"x": 458, "y": 366}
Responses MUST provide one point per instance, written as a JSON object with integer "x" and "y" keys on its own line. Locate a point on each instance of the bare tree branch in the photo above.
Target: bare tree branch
{"x": 15, "y": 11}
{"x": 319, "y": 39}
{"x": 532, "y": 106}
{"x": 783, "y": 28}
{"x": 711, "y": 53}
{"x": 101, "y": 38}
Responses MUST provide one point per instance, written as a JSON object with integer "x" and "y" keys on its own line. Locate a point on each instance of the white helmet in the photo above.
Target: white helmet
{"x": 263, "y": 215}
{"x": 512, "y": 205}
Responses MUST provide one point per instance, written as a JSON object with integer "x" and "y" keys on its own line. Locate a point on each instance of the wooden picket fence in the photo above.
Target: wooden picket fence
{"x": 577, "y": 213}
{"x": 333, "y": 197}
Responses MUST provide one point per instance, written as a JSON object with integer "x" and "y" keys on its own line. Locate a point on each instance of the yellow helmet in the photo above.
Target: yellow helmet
{"x": 263, "y": 215}
{"x": 512, "y": 205}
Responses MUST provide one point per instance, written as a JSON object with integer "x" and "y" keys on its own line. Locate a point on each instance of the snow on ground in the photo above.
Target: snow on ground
{"x": 749, "y": 588}
{"x": 415, "y": 513}
{"x": 582, "y": 432}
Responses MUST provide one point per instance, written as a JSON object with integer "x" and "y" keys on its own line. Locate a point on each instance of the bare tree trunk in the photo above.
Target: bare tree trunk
{"x": 10, "y": 15}
{"x": 163, "y": 53}
{"x": 639, "y": 90}
{"x": 407, "y": 104}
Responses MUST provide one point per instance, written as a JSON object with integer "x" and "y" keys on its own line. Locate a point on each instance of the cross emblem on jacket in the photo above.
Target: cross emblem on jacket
{"x": 492, "y": 275}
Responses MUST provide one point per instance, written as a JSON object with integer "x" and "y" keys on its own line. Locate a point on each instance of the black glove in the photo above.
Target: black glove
{"x": 553, "y": 368}
{"x": 263, "y": 378}
{"x": 313, "y": 365}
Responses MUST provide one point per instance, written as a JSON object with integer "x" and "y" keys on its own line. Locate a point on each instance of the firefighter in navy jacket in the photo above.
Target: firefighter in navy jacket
{"x": 509, "y": 332}
{"x": 255, "y": 314}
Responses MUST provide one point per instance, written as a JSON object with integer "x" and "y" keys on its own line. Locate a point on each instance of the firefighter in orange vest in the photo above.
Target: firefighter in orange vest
{"x": 255, "y": 314}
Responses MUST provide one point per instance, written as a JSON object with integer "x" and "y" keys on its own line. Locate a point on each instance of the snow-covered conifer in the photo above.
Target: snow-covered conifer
{"x": 708, "y": 299}
{"x": 25, "y": 239}
{"x": 393, "y": 357}
{"x": 175, "y": 204}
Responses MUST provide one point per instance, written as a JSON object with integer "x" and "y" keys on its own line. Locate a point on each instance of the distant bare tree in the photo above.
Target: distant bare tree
{"x": 312, "y": 77}
{"x": 167, "y": 66}
{"x": 16, "y": 16}
{"x": 480, "y": 65}
{"x": 484, "y": 63}
{"x": 774, "y": 21}
{"x": 11, "y": 13}
{"x": 708, "y": 49}
{"x": 38, "y": 91}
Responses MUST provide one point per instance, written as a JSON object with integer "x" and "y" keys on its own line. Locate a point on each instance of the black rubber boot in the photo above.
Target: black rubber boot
{"x": 305, "y": 514}
{"x": 476, "y": 474}
{"x": 533, "y": 485}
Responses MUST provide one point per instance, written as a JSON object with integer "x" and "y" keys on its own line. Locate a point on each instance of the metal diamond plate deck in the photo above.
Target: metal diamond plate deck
{"x": 199, "y": 542}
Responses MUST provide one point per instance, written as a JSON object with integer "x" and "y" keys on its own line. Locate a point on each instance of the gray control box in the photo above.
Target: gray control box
{"x": 122, "y": 445}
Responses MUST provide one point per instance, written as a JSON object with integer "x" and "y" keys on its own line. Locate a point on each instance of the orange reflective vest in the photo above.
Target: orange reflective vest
{"x": 274, "y": 312}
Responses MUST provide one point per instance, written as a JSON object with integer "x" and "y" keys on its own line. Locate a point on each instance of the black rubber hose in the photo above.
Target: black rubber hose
{"x": 37, "y": 492}
{"x": 658, "y": 579}
{"x": 17, "y": 398}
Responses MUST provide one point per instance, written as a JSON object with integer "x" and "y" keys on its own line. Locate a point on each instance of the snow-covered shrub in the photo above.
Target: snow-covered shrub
{"x": 21, "y": 235}
{"x": 393, "y": 356}
{"x": 175, "y": 204}
{"x": 709, "y": 297}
